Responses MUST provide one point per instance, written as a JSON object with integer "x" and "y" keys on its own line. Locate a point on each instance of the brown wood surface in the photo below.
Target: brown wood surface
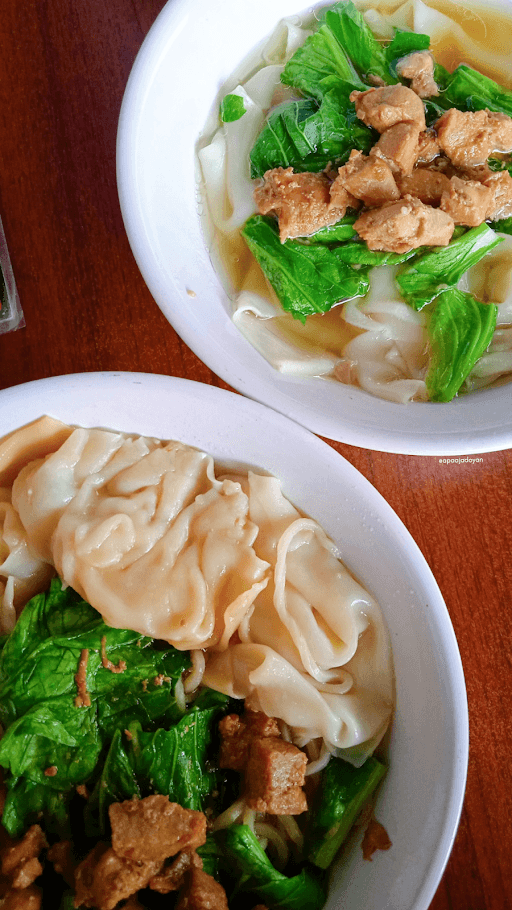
{"x": 63, "y": 68}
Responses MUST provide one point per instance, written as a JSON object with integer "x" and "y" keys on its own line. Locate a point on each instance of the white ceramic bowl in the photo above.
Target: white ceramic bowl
{"x": 190, "y": 51}
{"x": 421, "y": 798}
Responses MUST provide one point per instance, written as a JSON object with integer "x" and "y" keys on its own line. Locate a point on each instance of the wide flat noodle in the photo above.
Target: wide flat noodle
{"x": 149, "y": 535}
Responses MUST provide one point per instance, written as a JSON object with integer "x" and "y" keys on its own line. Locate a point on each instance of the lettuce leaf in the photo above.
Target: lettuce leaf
{"x": 305, "y": 136}
{"x": 469, "y": 90}
{"x": 232, "y": 107}
{"x": 257, "y": 874}
{"x": 307, "y": 278}
{"x": 432, "y": 272}
{"x": 460, "y": 329}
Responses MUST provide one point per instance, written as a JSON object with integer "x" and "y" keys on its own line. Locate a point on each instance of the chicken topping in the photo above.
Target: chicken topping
{"x": 368, "y": 179}
{"x": 428, "y": 146}
{"x": 237, "y": 734}
{"x": 202, "y": 892}
{"x": 275, "y": 776}
{"x": 384, "y": 107}
{"x": 20, "y": 867}
{"x": 425, "y": 184}
{"x": 104, "y": 878}
{"x": 419, "y": 68}
{"x": 469, "y": 137}
{"x": 151, "y": 829}
{"x": 467, "y": 201}
{"x": 404, "y": 225}
{"x": 399, "y": 147}
{"x": 501, "y": 186}
{"x": 302, "y": 202}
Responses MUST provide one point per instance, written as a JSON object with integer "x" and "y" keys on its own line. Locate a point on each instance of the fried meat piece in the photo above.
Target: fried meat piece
{"x": 237, "y": 733}
{"x": 302, "y": 202}
{"x": 172, "y": 875}
{"x": 501, "y": 204}
{"x": 202, "y": 892}
{"x": 425, "y": 184}
{"x": 428, "y": 146}
{"x": 103, "y": 878}
{"x": 368, "y": 179}
{"x": 405, "y": 225}
{"x": 28, "y": 899}
{"x": 399, "y": 147}
{"x": 467, "y": 201}
{"x": 152, "y": 829}
{"x": 383, "y": 107}
{"x": 469, "y": 137}
{"x": 275, "y": 776}
{"x": 419, "y": 68}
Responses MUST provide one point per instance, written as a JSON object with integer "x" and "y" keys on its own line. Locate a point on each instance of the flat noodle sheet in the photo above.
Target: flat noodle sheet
{"x": 148, "y": 534}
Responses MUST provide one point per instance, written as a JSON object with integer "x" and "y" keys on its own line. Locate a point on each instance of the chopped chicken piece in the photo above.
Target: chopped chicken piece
{"x": 501, "y": 186}
{"x": 28, "y": 899}
{"x": 275, "y": 776}
{"x": 469, "y": 137}
{"x": 103, "y": 878}
{"x": 405, "y": 225}
{"x": 425, "y": 184}
{"x": 237, "y": 733}
{"x": 202, "y": 892}
{"x": 301, "y": 202}
{"x": 419, "y": 68}
{"x": 467, "y": 201}
{"x": 172, "y": 875}
{"x": 151, "y": 829}
{"x": 368, "y": 179}
{"x": 428, "y": 146}
{"x": 384, "y": 107}
{"x": 399, "y": 147}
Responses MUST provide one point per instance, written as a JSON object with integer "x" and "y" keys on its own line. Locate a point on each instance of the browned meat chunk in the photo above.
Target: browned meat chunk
{"x": 61, "y": 855}
{"x": 467, "y": 201}
{"x": 172, "y": 876}
{"x": 275, "y": 777}
{"x": 375, "y": 838}
{"x": 428, "y": 146}
{"x": 104, "y": 878}
{"x": 202, "y": 892}
{"x": 368, "y": 179}
{"x": 28, "y": 899}
{"x": 469, "y": 137}
{"x": 501, "y": 186}
{"x": 20, "y": 864}
{"x": 425, "y": 184}
{"x": 384, "y": 107}
{"x": 151, "y": 829}
{"x": 302, "y": 202}
{"x": 399, "y": 147}
{"x": 419, "y": 68}
{"x": 405, "y": 225}
{"x": 237, "y": 733}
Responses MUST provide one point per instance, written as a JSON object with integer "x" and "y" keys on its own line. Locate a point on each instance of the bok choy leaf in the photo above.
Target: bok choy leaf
{"x": 460, "y": 329}
{"x": 429, "y": 274}
{"x": 307, "y": 278}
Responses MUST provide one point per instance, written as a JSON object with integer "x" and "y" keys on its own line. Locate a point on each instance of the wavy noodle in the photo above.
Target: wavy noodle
{"x": 270, "y": 833}
{"x": 230, "y": 815}
{"x": 224, "y": 567}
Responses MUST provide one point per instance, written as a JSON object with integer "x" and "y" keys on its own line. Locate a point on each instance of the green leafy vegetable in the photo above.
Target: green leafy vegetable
{"x": 357, "y": 253}
{"x": 431, "y": 273}
{"x": 301, "y": 135}
{"x": 348, "y": 26}
{"x": 469, "y": 90}
{"x": 343, "y": 792}
{"x": 334, "y": 233}
{"x": 307, "y": 278}
{"x": 404, "y": 43}
{"x": 460, "y": 329}
{"x": 232, "y": 107}
{"x": 504, "y": 226}
{"x": 258, "y": 875}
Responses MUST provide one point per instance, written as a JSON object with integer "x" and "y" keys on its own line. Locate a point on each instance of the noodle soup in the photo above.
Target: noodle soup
{"x": 379, "y": 343}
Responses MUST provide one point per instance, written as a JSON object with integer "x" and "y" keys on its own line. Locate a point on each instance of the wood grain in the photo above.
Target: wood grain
{"x": 63, "y": 70}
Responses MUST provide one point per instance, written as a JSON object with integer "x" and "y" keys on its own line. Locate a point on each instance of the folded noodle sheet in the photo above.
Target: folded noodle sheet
{"x": 149, "y": 535}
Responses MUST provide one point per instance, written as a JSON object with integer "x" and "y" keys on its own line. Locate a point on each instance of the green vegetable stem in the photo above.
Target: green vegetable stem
{"x": 343, "y": 792}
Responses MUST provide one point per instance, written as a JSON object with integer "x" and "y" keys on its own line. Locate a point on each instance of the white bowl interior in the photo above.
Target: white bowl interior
{"x": 190, "y": 52}
{"x": 421, "y": 798}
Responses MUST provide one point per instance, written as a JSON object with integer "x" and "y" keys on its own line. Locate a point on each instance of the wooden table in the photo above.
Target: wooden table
{"x": 63, "y": 70}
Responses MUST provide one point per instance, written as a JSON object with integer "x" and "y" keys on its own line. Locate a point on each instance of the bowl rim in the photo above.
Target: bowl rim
{"x": 350, "y": 415}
